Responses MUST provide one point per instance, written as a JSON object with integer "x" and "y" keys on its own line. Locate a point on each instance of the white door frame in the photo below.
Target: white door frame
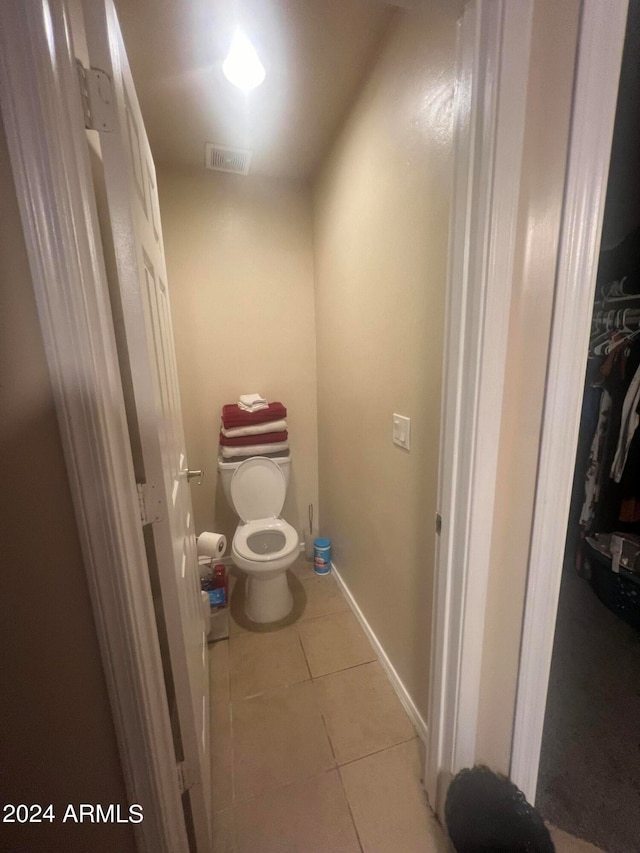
{"x": 43, "y": 118}
{"x": 494, "y": 39}
{"x": 601, "y": 40}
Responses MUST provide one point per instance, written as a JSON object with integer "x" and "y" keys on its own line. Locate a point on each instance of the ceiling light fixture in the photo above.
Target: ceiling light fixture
{"x": 242, "y": 66}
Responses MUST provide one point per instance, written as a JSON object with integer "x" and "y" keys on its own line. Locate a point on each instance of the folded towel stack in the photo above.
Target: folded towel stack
{"x": 259, "y": 432}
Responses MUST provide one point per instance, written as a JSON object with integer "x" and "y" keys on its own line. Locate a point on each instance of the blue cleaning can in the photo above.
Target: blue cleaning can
{"x": 322, "y": 556}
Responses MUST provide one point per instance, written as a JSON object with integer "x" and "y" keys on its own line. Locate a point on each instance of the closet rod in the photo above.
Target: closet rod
{"x": 609, "y": 321}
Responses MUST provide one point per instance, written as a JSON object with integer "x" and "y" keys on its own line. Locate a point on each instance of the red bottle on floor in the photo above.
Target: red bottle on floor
{"x": 221, "y": 581}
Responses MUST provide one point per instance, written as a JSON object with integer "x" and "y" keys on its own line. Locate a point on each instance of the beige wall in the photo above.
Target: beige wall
{"x": 240, "y": 266}
{"x": 58, "y": 742}
{"x": 381, "y": 229}
{"x": 546, "y": 136}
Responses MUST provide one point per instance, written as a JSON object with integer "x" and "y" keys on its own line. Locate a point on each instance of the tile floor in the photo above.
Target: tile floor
{"x": 311, "y": 750}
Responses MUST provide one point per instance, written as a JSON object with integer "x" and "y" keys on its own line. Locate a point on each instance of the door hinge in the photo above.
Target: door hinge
{"x": 149, "y": 503}
{"x": 186, "y": 779}
{"x": 96, "y": 92}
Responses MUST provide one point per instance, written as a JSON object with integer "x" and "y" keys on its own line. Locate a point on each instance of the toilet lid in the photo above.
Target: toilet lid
{"x": 258, "y": 489}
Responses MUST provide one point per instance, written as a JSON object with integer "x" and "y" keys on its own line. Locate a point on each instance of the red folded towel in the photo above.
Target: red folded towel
{"x": 248, "y": 440}
{"x": 233, "y": 416}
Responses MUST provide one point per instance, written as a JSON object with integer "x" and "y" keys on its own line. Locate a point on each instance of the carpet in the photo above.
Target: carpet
{"x": 589, "y": 779}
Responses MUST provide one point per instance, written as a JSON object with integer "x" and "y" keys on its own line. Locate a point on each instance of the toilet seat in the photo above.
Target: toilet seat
{"x": 262, "y": 525}
{"x": 258, "y": 489}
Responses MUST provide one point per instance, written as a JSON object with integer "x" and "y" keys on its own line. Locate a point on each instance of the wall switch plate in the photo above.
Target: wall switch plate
{"x": 402, "y": 431}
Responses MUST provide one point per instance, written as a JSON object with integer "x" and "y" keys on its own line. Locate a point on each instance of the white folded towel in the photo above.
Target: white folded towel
{"x": 253, "y": 449}
{"x": 256, "y": 408}
{"x": 258, "y": 429}
{"x": 252, "y": 402}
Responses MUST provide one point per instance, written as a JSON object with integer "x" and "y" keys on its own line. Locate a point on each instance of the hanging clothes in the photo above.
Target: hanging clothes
{"x": 609, "y": 453}
{"x": 629, "y": 489}
{"x": 629, "y": 423}
{"x": 617, "y": 372}
{"x": 593, "y": 477}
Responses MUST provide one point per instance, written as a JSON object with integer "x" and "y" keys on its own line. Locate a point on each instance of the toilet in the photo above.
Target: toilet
{"x": 264, "y": 545}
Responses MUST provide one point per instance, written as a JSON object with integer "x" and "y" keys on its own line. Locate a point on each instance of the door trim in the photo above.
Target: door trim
{"x": 494, "y": 39}
{"x": 601, "y": 39}
{"x": 43, "y": 118}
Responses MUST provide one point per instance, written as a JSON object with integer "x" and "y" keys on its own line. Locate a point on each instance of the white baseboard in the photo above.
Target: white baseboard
{"x": 401, "y": 691}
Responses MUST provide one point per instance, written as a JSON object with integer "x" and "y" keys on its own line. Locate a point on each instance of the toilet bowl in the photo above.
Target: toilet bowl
{"x": 264, "y": 545}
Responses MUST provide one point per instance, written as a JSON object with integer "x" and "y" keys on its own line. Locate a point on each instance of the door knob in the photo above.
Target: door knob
{"x": 199, "y": 474}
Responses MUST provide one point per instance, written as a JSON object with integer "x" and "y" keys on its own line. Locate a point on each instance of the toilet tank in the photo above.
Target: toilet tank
{"x": 227, "y": 470}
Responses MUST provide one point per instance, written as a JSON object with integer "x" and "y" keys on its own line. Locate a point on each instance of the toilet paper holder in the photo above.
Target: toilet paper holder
{"x": 199, "y": 473}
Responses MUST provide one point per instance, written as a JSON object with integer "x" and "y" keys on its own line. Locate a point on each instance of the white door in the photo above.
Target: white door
{"x": 147, "y": 358}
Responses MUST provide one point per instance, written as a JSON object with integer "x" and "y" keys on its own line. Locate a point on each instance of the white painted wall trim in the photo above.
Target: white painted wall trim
{"x": 494, "y": 48}
{"x": 43, "y": 119}
{"x": 601, "y": 40}
{"x": 396, "y": 682}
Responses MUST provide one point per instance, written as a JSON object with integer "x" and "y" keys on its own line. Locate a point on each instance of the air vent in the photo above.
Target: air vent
{"x": 222, "y": 158}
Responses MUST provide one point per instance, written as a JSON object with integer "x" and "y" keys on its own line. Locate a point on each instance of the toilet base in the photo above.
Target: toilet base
{"x": 268, "y": 599}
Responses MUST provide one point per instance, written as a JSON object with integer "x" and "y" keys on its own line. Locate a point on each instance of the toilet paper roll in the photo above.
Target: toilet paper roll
{"x": 211, "y": 544}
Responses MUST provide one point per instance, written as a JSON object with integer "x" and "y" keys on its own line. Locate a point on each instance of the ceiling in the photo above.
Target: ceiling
{"x": 316, "y": 53}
